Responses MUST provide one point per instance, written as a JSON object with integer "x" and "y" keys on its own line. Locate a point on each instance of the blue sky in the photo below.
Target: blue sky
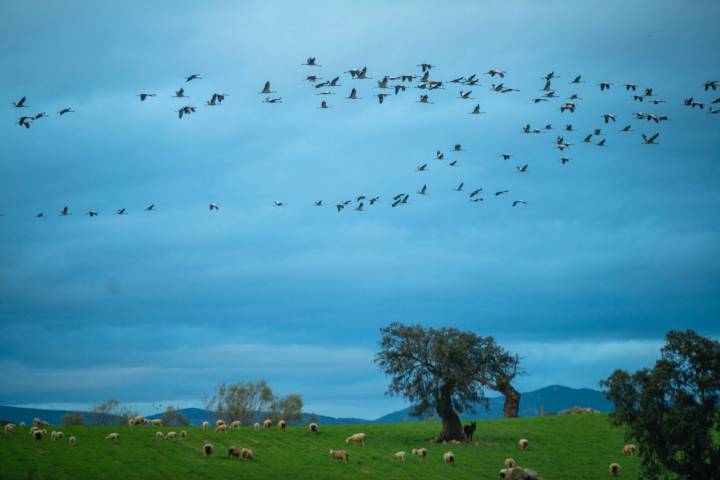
{"x": 611, "y": 251}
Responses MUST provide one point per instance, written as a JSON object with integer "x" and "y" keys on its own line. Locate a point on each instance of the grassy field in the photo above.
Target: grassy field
{"x": 561, "y": 447}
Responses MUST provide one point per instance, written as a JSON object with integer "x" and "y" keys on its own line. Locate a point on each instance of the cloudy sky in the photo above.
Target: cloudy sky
{"x": 611, "y": 250}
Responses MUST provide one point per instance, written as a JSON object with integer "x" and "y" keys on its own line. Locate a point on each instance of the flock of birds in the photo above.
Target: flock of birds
{"x": 396, "y": 85}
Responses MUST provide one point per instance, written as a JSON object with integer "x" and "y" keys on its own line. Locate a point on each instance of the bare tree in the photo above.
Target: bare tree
{"x": 102, "y": 413}
{"x": 288, "y": 408}
{"x": 243, "y": 401}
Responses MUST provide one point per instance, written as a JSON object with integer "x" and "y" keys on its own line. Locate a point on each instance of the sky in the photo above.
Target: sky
{"x": 611, "y": 251}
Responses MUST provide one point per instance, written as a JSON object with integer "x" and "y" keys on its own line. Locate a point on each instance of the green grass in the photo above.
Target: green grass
{"x": 561, "y": 447}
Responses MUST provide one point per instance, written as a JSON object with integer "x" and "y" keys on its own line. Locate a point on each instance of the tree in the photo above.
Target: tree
{"x": 102, "y": 413}
{"x": 243, "y": 401}
{"x": 75, "y": 418}
{"x": 443, "y": 369}
{"x": 173, "y": 417}
{"x": 288, "y": 408}
{"x": 672, "y": 410}
{"x": 503, "y": 368}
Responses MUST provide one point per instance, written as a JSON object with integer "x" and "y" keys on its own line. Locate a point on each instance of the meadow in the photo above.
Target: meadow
{"x": 561, "y": 447}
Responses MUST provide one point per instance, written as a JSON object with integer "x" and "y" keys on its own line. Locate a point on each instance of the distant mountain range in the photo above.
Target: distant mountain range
{"x": 549, "y": 400}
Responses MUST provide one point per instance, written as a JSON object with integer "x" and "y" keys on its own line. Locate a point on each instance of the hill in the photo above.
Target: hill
{"x": 578, "y": 447}
{"x": 551, "y": 399}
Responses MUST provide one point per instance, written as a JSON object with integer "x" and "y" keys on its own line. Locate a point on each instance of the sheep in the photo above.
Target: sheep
{"x": 156, "y": 422}
{"x": 9, "y": 428}
{"x": 36, "y": 422}
{"x": 221, "y": 428}
{"x": 207, "y": 449}
{"x": 23, "y": 424}
{"x": 281, "y": 425}
{"x": 420, "y": 452}
{"x": 247, "y": 454}
{"x": 72, "y": 440}
{"x": 159, "y": 436}
{"x": 131, "y": 422}
{"x": 523, "y": 444}
{"x": 171, "y": 436}
{"x": 267, "y": 423}
{"x": 340, "y": 455}
{"x": 45, "y": 423}
{"x": 38, "y": 434}
{"x": 235, "y": 424}
{"x": 136, "y": 420}
{"x": 205, "y": 425}
{"x": 614, "y": 469}
{"x": 510, "y": 462}
{"x": 54, "y": 436}
{"x": 313, "y": 427}
{"x": 629, "y": 449}
{"x": 518, "y": 473}
{"x": 356, "y": 438}
{"x": 233, "y": 452}
{"x": 183, "y": 435}
{"x": 113, "y": 436}
{"x": 219, "y": 422}
{"x": 400, "y": 456}
{"x": 449, "y": 457}
{"x": 256, "y": 426}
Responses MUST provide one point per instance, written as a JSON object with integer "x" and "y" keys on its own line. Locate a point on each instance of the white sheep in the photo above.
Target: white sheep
{"x": 420, "y": 452}
{"x": 340, "y": 455}
{"x": 233, "y": 452}
{"x": 614, "y": 469}
{"x": 267, "y": 423}
{"x": 156, "y": 422}
{"x": 629, "y": 449}
{"x": 36, "y": 422}
{"x": 518, "y": 473}
{"x": 221, "y": 428}
{"x": 113, "y": 436}
{"x": 281, "y": 425}
{"x": 400, "y": 456}
{"x": 205, "y": 425}
{"x": 235, "y": 424}
{"x": 510, "y": 462}
{"x": 72, "y": 440}
{"x": 38, "y": 433}
{"x": 171, "y": 436}
{"x": 523, "y": 443}
{"x": 159, "y": 436}
{"x": 207, "y": 449}
{"x": 313, "y": 427}
{"x": 219, "y": 422}
{"x": 247, "y": 454}
{"x": 256, "y": 426}
{"x": 449, "y": 457}
{"x": 9, "y": 428}
{"x": 356, "y": 438}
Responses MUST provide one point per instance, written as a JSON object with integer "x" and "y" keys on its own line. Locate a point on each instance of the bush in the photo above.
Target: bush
{"x": 74, "y": 418}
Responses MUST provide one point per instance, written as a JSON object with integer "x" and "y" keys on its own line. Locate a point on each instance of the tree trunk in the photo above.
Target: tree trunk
{"x": 451, "y": 426}
{"x": 511, "y": 408}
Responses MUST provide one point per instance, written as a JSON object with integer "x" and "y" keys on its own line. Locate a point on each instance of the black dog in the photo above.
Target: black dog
{"x": 470, "y": 430}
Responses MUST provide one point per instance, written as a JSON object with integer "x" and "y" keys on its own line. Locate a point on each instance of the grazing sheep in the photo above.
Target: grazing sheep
{"x": 54, "y": 436}
{"x": 449, "y": 457}
{"x": 518, "y": 473}
{"x": 510, "y": 462}
{"x": 219, "y": 422}
{"x": 400, "y": 456}
{"x": 247, "y": 454}
{"x": 131, "y": 422}
{"x": 171, "y": 436}
{"x": 156, "y": 422}
{"x": 9, "y": 428}
{"x": 267, "y": 423}
{"x": 38, "y": 434}
{"x": 113, "y": 436}
{"x": 614, "y": 469}
{"x": 235, "y": 424}
{"x": 138, "y": 420}
{"x": 233, "y": 452}
{"x": 221, "y": 428}
{"x": 72, "y": 440}
{"x": 183, "y": 435}
{"x": 281, "y": 425}
{"x": 313, "y": 427}
{"x": 36, "y": 422}
{"x": 420, "y": 452}
{"x": 629, "y": 449}
{"x": 205, "y": 425}
{"x": 207, "y": 449}
{"x": 523, "y": 444}
{"x": 340, "y": 455}
{"x": 159, "y": 436}
{"x": 22, "y": 424}
{"x": 356, "y": 438}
